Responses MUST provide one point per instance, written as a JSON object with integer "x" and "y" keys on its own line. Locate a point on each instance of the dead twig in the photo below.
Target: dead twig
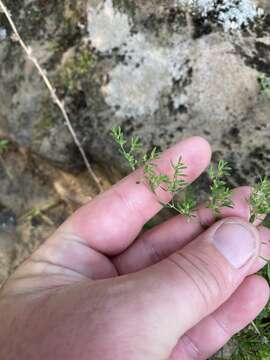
{"x": 55, "y": 98}
{"x": 39, "y": 211}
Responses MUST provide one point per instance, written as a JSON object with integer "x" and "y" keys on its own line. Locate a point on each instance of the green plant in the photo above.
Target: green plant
{"x": 133, "y": 153}
{"x": 183, "y": 197}
{"x": 188, "y": 206}
{"x": 259, "y": 201}
{"x": 4, "y": 145}
{"x": 220, "y": 196}
{"x": 128, "y": 152}
{"x": 254, "y": 341}
{"x": 220, "y": 193}
{"x": 76, "y": 68}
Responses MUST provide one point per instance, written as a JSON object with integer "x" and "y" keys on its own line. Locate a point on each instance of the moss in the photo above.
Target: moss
{"x": 128, "y": 6}
{"x": 48, "y": 115}
{"x": 46, "y": 122}
{"x": 53, "y": 45}
{"x": 76, "y": 68}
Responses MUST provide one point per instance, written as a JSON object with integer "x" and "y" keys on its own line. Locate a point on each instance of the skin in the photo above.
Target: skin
{"x": 99, "y": 288}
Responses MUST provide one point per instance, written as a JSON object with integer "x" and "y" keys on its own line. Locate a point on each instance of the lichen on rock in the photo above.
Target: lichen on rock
{"x": 231, "y": 14}
{"x": 136, "y": 85}
{"x": 108, "y": 27}
{"x": 148, "y": 69}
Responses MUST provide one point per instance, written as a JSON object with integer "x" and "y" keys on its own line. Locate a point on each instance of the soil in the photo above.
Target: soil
{"x": 35, "y": 198}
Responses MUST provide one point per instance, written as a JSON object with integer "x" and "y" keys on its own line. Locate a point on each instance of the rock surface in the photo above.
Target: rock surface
{"x": 35, "y": 198}
{"x": 152, "y": 67}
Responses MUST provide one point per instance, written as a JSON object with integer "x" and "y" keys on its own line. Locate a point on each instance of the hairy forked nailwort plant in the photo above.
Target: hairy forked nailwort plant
{"x": 183, "y": 197}
{"x": 133, "y": 153}
{"x": 220, "y": 193}
{"x": 259, "y": 201}
{"x": 128, "y": 152}
{"x": 184, "y": 202}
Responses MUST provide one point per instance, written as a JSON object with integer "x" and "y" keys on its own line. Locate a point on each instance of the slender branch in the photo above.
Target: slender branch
{"x": 55, "y": 98}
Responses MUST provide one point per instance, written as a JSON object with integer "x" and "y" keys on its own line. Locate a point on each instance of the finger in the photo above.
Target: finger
{"x": 213, "y": 332}
{"x": 198, "y": 279}
{"x": 169, "y": 237}
{"x": 110, "y": 222}
{"x": 264, "y": 256}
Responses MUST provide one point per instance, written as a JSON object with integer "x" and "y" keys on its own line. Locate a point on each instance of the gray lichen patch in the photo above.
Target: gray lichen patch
{"x": 3, "y": 33}
{"x": 108, "y": 27}
{"x": 231, "y": 14}
{"x": 148, "y": 69}
{"x": 136, "y": 86}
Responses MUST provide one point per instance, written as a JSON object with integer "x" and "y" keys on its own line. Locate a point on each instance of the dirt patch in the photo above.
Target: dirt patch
{"x": 35, "y": 198}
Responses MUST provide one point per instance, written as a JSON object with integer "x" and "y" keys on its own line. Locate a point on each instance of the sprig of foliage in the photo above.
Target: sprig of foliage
{"x": 178, "y": 183}
{"x": 249, "y": 344}
{"x": 130, "y": 153}
{"x": 153, "y": 177}
{"x": 220, "y": 193}
{"x": 259, "y": 200}
{"x": 188, "y": 206}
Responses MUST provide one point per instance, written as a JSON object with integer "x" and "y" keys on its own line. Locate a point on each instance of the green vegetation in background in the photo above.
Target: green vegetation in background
{"x": 76, "y": 68}
{"x": 4, "y": 145}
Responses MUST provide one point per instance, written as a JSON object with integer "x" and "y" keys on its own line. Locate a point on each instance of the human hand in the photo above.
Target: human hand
{"x": 100, "y": 289}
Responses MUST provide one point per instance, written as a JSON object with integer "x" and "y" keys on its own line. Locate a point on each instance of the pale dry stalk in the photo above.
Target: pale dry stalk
{"x": 53, "y": 94}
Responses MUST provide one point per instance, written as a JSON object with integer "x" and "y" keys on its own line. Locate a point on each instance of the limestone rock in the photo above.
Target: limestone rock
{"x": 154, "y": 68}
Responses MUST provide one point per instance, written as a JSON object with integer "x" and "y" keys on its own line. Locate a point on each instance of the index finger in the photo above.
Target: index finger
{"x": 111, "y": 222}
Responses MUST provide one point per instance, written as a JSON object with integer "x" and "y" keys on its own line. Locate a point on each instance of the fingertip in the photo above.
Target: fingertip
{"x": 199, "y": 145}
{"x": 236, "y": 313}
{"x": 264, "y": 233}
{"x": 245, "y": 304}
{"x": 242, "y": 193}
{"x": 256, "y": 292}
{"x": 262, "y": 286}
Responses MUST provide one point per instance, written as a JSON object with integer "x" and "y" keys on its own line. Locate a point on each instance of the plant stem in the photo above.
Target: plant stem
{"x": 55, "y": 98}
{"x": 255, "y": 328}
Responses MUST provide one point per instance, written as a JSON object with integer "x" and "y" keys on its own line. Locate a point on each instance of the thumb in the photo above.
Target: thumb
{"x": 198, "y": 279}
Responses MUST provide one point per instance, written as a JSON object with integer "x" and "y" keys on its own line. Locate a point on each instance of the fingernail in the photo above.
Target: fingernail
{"x": 236, "y": 242}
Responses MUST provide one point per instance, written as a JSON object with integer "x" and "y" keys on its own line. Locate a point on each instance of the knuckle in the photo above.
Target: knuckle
{"x": 193, "y": 351}
{"x": 209, "y": 282}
